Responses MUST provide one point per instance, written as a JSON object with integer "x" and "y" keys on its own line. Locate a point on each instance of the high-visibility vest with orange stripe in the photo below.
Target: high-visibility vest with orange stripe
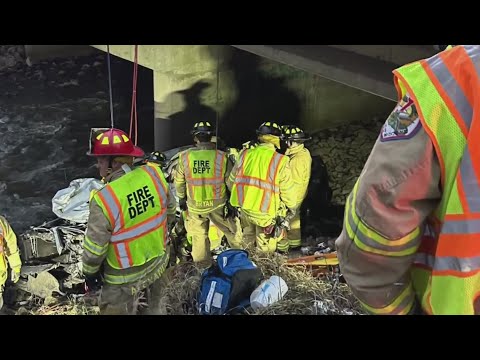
{"x": 204, "y": 174}
{"x": 445, "y": 89}
{"x": 3, "y": 261}
{"x": 136, "y": 207}
{"x": 256, "y": 186}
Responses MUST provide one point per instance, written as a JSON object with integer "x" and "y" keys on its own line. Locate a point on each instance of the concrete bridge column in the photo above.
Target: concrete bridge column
{"x": 185, "y": 86}
{"x": 195, "y": 87}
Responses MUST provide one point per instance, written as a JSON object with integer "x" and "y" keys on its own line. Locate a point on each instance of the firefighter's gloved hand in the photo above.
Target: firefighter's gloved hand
{"x": 285, "y": 224}
{"x": 179, "y": 229}
{"x": 230, "y": 211}
{"x": 15, "y": 275}
{"x": 171, "y": 221}
{"x": 182, "y": 203}
{"x": 290, "y": 214}
{"x": 279, "y": 231}
{"x": 281, "y": 227}
{"x": 93, "y": 282}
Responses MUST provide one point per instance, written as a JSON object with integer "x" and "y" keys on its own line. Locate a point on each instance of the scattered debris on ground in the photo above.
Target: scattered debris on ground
{"x": 307, "y": 295}
{"x": 52, "y": 288}
{"x": 52, "y": 282}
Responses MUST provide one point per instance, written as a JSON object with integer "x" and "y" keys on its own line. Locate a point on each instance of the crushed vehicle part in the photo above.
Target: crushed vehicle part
{"x": 61, "y": 249}
{"x": 43, "y": 285}
{"x": 72, "y": 203}
{"x": 36, "y": 269}
{"x": 38, "y": 244}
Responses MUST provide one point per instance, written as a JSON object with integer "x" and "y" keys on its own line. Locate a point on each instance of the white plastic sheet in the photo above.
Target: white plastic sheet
{"x": 72, "y": 203}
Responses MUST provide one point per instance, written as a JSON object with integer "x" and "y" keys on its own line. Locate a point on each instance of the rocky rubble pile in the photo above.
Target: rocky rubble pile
{"x": 345, "y": 149}
{"x": 11, "y": 55}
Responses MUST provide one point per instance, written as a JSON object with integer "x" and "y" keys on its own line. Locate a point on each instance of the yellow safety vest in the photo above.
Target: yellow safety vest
{"x": 445, "y": 88}
{"x": 256, "y": 186}
{"x": 136, "y": 206}
{"x": 204, "y": 175}
{"x": 8, "y": 244}
{"x": 3, "y": 260}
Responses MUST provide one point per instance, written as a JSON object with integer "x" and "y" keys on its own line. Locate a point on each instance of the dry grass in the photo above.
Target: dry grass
{"x": 178, "y": 295}
{"x": 306, "y": 295}
{"x": 63, "y": 306}
{"x": 178, "y": 292}
{"x": 66, "y": 309}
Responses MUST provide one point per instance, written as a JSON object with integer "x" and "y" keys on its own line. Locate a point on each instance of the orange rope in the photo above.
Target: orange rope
{"x": 133, "y": 116}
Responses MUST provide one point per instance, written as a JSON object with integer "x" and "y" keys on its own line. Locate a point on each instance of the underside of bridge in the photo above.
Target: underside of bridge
{"x": 240, "y": 86}
{"x": 364, "y": 67}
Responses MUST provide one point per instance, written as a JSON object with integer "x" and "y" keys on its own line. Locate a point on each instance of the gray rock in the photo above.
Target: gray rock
{"x": 344, "y": 150}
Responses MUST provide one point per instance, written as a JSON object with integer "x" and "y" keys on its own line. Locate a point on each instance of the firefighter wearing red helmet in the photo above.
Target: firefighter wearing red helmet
{"x": 125, "y": 243}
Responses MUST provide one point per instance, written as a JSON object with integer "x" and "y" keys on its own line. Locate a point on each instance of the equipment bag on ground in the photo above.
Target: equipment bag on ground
{"x": 226, "y": 286}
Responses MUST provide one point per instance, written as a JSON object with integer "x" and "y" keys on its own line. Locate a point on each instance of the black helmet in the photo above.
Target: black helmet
{"x": 294, "y": 133}
{"x": 269, "y": 128}
{"x": 203, "y": 127}
{"x": 156, "y": 157}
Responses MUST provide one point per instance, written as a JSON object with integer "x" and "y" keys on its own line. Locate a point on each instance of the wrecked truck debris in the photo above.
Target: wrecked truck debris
{"x": 57, "y": 248}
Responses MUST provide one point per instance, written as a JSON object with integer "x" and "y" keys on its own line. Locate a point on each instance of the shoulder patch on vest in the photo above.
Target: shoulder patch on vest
{"x": 403, "y": 123}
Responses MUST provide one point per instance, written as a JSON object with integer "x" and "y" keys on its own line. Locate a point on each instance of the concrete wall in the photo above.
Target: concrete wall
{"x": 325, "y": 103}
